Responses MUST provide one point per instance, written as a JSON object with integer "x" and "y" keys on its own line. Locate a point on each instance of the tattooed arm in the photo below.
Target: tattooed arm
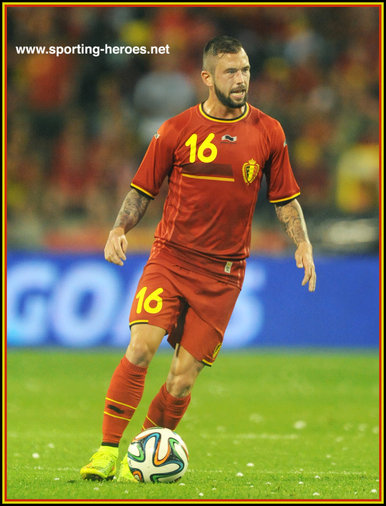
{"x": 130, "y": 213}
{"x": 291, "y": 216}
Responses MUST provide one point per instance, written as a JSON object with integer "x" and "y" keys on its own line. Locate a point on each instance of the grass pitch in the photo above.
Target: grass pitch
{"x": 261, "y": 425}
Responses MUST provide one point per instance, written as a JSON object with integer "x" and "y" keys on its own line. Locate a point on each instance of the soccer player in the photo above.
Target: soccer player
{"x": 214, "y": 155}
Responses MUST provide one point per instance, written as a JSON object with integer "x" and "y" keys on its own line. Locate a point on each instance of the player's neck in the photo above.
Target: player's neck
{"x": 218, "y": 110}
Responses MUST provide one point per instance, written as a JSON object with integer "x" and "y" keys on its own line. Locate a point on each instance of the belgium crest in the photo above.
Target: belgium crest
{"x": 250, "y": 171}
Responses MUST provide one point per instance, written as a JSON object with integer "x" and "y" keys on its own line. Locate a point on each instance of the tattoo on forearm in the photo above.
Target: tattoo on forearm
{"x": 291, "y": 216}
{"x": 132, "y": 210}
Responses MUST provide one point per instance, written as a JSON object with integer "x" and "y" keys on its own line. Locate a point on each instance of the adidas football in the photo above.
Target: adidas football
{"x": 157, "y": 455}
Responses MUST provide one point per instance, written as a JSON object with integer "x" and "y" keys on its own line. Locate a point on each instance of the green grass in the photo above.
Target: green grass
{"x": 261, "y": 425}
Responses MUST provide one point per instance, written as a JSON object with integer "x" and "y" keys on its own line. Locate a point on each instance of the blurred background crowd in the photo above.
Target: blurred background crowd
{"x": 78, "y": 125}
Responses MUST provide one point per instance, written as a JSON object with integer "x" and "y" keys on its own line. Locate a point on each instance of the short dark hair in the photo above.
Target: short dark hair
{"x": 221, "y": 44}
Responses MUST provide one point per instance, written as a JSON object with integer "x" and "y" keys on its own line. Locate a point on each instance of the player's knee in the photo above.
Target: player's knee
{"x": 144, "y": 342}
{"x": 139, "y": 353}
{"x": 179, "y": 385}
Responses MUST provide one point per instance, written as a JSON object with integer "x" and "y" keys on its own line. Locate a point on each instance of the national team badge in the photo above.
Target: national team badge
{"x": 250, "y": 171}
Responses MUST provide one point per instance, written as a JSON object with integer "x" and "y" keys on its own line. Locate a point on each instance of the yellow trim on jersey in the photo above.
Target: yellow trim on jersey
{"x": 211, "y": 178}
{"x": 115, "y": 416}
{"x": 138, "y": 321}
{"x": 142, "y": 190}
{"x": 224, "y": 120}
{"x": 287, "y": 198}
{"x": 122, "y": 403}
{"x": 206, "y": 362}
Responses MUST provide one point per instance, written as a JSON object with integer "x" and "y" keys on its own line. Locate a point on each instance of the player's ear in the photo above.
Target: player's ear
{"x": 207, "y": 78}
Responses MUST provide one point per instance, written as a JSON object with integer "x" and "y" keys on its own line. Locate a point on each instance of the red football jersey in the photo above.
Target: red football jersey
{"x": 214, "y": 169}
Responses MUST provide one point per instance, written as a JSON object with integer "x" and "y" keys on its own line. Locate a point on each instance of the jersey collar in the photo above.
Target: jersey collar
{"x": 218, "y": 120}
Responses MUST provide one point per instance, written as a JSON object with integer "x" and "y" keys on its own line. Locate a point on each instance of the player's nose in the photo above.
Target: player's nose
{"x": 240, "y": 77}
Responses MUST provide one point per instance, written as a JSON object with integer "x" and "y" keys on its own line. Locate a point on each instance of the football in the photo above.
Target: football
{"x": 158, "y": 455}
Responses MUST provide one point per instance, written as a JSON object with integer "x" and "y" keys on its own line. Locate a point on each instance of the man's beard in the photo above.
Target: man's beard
{"x": 227, "y": 101}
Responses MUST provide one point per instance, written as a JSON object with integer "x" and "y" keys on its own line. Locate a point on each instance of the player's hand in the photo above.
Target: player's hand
{"x": 116, "y": 246}
{"x": 304, "y": 259}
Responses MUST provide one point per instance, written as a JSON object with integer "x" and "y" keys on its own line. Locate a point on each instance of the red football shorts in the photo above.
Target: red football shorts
{"x": 194, "y": 309}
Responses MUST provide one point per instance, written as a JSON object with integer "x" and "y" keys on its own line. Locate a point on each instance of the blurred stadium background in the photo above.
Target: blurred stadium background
{"x": 78, "y": 126}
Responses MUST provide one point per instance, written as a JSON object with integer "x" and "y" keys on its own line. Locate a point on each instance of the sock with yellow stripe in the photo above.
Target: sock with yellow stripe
{"x": 123, "y": 396}
{"x": 166, "y": 410}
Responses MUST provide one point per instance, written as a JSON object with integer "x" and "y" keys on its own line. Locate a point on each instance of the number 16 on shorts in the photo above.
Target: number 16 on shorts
{"x": 149, "y": 302}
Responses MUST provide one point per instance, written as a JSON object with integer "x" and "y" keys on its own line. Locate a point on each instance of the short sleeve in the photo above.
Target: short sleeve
{"x": 281, "y": 182}
{"x": 157, "y": 162}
